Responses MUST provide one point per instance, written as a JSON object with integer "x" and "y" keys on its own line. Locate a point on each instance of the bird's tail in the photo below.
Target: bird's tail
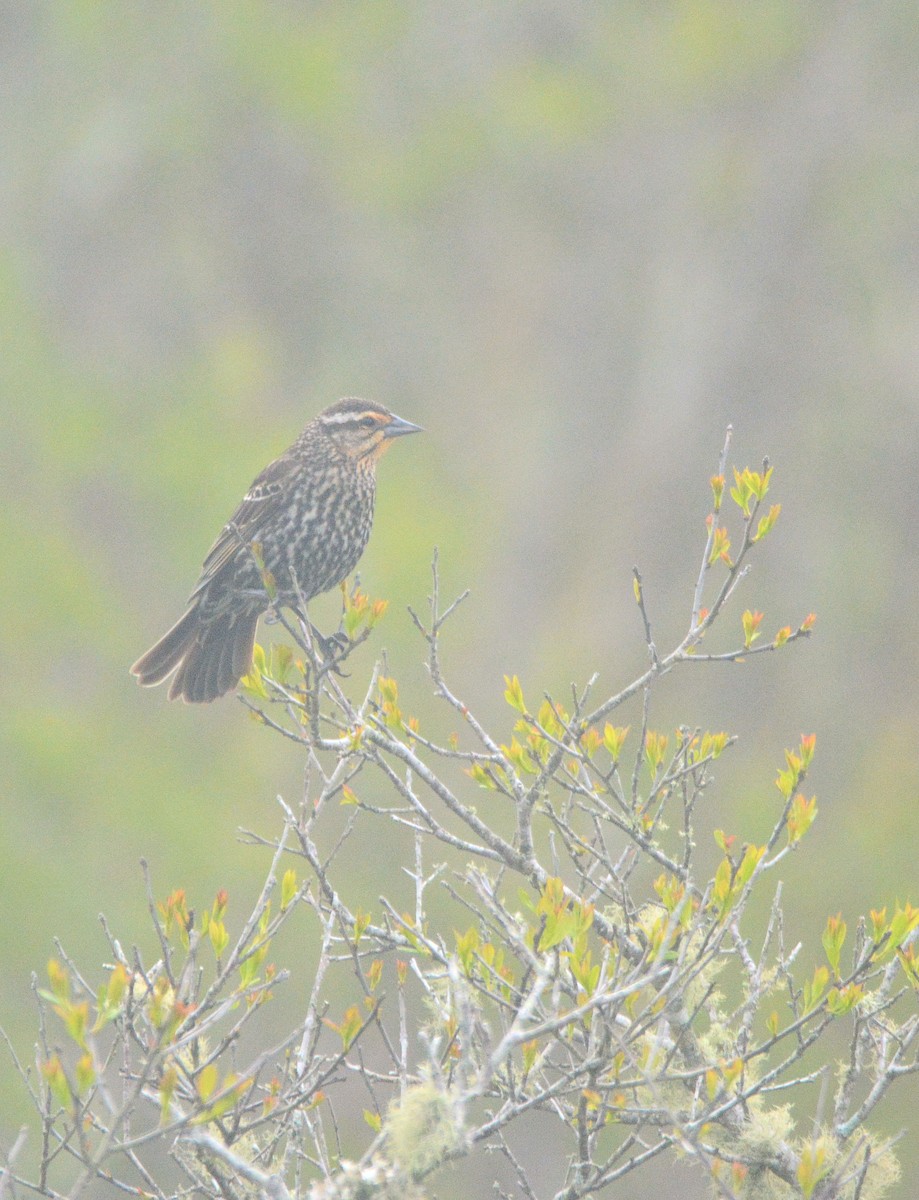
{"x": 209, "y": 657}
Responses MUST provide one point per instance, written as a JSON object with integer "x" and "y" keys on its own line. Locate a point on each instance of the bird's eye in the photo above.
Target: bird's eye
{"x": 367, "y": 422}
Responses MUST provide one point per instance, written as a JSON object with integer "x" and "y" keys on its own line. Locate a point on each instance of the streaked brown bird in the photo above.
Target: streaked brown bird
{"x": 307, "y": 517}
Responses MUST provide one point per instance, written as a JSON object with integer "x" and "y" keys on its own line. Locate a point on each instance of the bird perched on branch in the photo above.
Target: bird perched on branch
{"x": 304, "y": 523}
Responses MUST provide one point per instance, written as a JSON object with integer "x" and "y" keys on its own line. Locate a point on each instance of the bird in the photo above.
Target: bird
{"x": 303, "y": 523}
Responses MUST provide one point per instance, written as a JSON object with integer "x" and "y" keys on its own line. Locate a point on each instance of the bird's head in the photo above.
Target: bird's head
{"x": 362, "y": 429}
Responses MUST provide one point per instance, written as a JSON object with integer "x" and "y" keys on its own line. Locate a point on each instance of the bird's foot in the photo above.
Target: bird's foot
{"x": 333, "y": 649}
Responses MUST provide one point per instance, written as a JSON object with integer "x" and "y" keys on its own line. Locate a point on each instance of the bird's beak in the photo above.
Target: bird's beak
{"x": 397, "y": 427}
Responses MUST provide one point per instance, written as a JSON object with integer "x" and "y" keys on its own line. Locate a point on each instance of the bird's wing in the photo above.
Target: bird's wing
{"x": 258, "y": 506}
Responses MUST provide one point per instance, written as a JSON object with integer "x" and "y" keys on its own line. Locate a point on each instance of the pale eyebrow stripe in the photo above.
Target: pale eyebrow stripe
{"x": 344, "y": 418}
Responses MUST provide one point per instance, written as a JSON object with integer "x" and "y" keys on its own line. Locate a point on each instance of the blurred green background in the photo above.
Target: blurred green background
{"x": 574, "y": 242}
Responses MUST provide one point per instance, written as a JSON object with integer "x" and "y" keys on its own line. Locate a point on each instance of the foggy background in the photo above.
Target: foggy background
{"x": 573, "y": 242}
